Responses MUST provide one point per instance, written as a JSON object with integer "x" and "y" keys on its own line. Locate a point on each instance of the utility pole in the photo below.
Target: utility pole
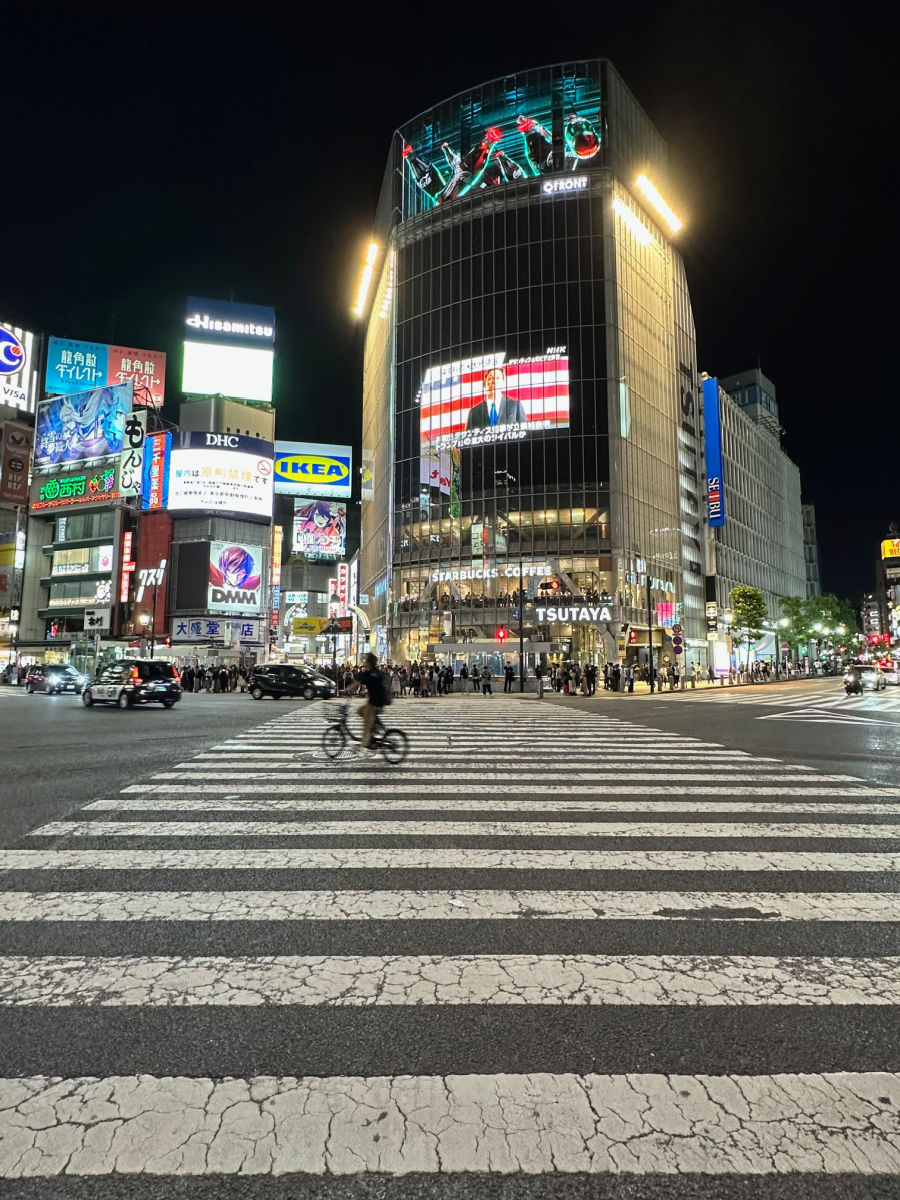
{"x": 650, "y": 630}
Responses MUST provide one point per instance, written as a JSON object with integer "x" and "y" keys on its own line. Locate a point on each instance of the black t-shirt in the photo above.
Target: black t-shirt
{"x": 374, "y": 685}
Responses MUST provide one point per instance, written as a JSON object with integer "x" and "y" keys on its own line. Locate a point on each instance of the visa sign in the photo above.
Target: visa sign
{"x": 311, "y": 469}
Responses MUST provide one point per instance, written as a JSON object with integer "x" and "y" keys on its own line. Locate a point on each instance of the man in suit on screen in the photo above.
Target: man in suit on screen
{"x": 496, "y": 408}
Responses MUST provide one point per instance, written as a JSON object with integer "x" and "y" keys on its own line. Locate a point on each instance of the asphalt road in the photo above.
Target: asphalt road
{"x": 645, "y": 947}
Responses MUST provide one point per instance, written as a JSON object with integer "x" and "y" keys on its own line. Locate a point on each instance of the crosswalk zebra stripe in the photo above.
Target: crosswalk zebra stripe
{"x": 451, "y": 828}
{"x": 157, "y": 802}
{"x": 235, "y": 785}
{"x": 366, "y": 981}
{"x": 442, "y": 905}
{"x": 537, "y": 1124}
{"x": 314, "y": 858}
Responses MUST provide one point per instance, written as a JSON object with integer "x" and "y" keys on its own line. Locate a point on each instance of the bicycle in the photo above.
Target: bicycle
{"x": 393, "y": 743}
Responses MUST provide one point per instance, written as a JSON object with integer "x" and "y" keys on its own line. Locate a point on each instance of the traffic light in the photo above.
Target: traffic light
{"x": 501, "y": 634}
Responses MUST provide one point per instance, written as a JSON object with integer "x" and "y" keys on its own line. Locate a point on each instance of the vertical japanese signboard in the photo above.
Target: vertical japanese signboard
{"x": 18, "y": 442}
{"x": 715, "y": 495}
{"x": 132, "y": 457}
{"x": 155, "y": 486}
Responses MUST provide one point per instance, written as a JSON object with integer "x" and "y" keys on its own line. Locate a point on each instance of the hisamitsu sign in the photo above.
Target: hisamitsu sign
{"x": 311, "y": 469}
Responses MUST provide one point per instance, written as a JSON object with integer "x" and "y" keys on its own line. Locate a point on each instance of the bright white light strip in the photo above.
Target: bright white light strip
{"x": 640, "y": 231}
{"x": 366, "y": 278}
{"x": 658, "y": 203}
{"x": 389, "y": 291}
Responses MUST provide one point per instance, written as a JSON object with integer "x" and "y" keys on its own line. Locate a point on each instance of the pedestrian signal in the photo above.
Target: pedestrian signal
{"x": 501, "y": 634}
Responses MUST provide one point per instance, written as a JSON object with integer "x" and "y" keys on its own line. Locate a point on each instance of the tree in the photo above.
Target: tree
{"x": 814, "y": 618}
{"x": 748, "y": 612}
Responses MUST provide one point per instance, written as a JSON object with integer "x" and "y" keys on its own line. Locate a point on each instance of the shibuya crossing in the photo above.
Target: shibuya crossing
{"x": 531, "y": 411}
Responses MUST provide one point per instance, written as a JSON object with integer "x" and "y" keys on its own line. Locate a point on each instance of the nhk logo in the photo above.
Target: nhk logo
{"x": 311, "y": 468}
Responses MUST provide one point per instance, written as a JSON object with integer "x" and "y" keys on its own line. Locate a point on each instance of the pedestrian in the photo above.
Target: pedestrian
{"x": 404, "y": 681}
{"x": 486, "y": 688}
{"x": 187, "y": 679}
{"x": 476, "y": 679}
{"x": 616, "y": 677}
{"x": 629, "y": 678}
{"x": 539, "y": 676}
{"x": 464, "y": 679}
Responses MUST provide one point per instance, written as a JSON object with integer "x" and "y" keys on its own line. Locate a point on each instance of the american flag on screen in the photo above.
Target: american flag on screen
{"x": 539, "y": 383}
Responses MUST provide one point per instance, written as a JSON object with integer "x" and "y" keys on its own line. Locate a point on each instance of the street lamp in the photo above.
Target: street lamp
{"x": 504, "y": 479}
{"x": 335, "y": 599}
{"x": 146, "y": 620}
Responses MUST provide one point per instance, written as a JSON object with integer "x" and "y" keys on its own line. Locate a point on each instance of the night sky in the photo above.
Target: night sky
{"x": 240, "y": 155}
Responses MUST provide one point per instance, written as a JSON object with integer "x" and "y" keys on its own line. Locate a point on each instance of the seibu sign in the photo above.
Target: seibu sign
{"x": 455, "y": 574}
{"x": 574, "y": 615}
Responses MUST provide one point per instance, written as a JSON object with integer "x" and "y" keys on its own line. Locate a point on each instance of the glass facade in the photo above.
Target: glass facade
{"x": 521, "y": 396}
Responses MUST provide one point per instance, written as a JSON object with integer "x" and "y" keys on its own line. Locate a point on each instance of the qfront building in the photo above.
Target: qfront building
{"x": 531, "y": 409}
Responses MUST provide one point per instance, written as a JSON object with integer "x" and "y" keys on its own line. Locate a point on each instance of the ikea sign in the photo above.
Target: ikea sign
{"x": 313, "y": 469}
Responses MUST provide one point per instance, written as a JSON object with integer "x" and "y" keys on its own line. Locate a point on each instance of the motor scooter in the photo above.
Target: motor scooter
{"x": 853, "y": 684}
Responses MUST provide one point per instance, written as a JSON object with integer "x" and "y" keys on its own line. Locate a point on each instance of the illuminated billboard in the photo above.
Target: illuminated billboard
{"x": 215, "y": 472}
{"x": 312, "y": 469}
{"x": 228, "y": 350}
{"x": 715, "y": 493}
{"x": 490, "y": 398}
{"x": 501, "y": 135}
{"x": 75, "y": 366}
{"x": 19, "y": 383}
{"x": 70, "y": 429}
{"x": 320, "y": 528}
{"x": 235, "y": 578}
{"x": 71, "y": 488}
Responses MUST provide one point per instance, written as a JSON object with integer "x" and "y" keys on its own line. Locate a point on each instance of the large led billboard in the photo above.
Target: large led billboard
{"x": 216, "y": 472}
{"x": 228, "y": 350}
{"x": 74, "y": 366}
{"x": 313, "y": 469}
{"x": 320, "y": 528}
{"x": 491, "y": 398}
{"x": 71, "y": 429}
{"x": 19, "y": 382}
{"x": 501, "y": 134}
{"x": 235, "y": 577}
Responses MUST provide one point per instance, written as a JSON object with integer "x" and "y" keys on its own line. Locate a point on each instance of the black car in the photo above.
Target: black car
{"x": 133, "y": 681}
{"x": 53, "y": 679}
{"x": 281, "y": 680}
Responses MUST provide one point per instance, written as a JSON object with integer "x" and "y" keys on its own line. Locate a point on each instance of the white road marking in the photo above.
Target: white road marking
{"x": 805, "y": 786}
{"x": 508, "y": 979}
{"x": 498, "y": 829}
{"x": 313, "y": 858}
{"x": 175, "y": 803}
{"x": 443, "y": 905}
{"x": 530, "y": 1124}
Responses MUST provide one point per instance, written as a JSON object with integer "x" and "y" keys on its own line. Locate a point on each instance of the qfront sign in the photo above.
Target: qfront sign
{"x": 574, "y": 615}
{"x": 571, "y": 183}
{"x": 511, "y": 571}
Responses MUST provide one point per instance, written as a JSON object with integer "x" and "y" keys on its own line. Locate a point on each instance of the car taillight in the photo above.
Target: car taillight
{"x": 135, "y": 676}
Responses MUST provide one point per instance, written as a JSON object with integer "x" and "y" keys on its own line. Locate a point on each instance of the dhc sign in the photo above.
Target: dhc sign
{"x": 308, "y": 469}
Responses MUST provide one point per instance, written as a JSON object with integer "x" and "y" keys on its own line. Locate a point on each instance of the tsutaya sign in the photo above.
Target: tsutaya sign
{"x": 574, "y": 615}
{"x": 455, "y": 574}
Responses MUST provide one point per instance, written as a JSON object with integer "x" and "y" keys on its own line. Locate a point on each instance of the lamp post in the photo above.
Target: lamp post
{"x": 504, "y": 479}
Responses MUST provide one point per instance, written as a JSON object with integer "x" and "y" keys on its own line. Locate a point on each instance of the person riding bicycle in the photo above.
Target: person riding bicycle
{"x": 372, "y": 680}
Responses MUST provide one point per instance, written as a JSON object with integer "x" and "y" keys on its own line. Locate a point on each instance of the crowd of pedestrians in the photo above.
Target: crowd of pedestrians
{"x": 220, "y": 679}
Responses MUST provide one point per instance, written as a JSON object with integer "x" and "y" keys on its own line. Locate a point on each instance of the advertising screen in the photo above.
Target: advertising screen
{"x": 70, "y": 429}
{"x": 74, "y": 366}
{"x": 715, "y": 495}
{"x": 235, "y": 578}
{"x": 320, "y": 528}
{"x": 18, "y": 367}
{"x": 490, "y": 398}
{"x": 313, "y": 469}
{"x": 16, "y": 444}
{"x": 499, "y": 135}
{"x": 228, "y": 350}
{"x": 207, "y": 476}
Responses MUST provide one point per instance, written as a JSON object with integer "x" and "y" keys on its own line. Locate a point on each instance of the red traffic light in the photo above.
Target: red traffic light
{"x": 501, "y": 634}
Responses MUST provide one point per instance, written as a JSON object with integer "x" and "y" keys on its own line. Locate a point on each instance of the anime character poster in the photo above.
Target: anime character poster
{"x": 320, "y": 528}
{"x": 70, "y": 429}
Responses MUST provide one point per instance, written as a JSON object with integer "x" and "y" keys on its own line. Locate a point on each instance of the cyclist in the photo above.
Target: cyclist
{"x": 371, "y": 679}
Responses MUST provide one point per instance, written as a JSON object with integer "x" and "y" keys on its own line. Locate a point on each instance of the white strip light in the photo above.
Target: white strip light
{"x": 658, "y": 203}
{"x": 640, "y": 231}
{"x": 366, "y": 279}
{"x": 388, "y": 291}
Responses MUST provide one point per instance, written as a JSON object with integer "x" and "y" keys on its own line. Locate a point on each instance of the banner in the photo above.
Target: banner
{"x": 715, "y": 496}
{"x": 18, "y": 442}
{"x": 320, "y": 528}
{"x": 235, "y": 578}
{"x": 71, "y": 429}
{"x": 132, "y": 460}
{"x": 74, "y": 366}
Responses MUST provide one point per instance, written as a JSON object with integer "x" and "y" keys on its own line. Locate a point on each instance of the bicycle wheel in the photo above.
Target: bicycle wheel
{"x": 333, "y": 741}
{"x": 394, "y": 745}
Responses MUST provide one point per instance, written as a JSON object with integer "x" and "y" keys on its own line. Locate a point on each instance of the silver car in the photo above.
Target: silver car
{"x": 871, "y": 677}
